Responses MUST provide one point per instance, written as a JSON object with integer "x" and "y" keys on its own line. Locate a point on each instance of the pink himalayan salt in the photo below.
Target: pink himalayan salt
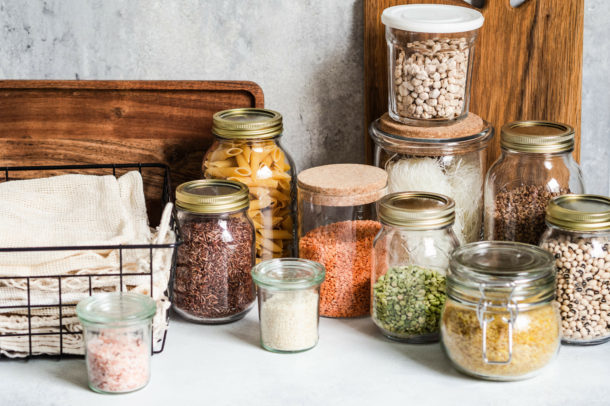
{"x": 117, "y": 363}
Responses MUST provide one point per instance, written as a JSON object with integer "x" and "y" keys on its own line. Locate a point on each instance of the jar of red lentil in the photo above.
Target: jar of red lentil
{"x": 411, "y": 256}
{"x": 336, "y": 227}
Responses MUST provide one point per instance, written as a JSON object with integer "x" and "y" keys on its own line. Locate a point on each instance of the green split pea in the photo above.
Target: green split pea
{"x": 407, "y": 300}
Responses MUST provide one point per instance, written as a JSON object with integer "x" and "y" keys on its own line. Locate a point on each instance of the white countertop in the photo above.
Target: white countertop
{"x": 352, "y": 365}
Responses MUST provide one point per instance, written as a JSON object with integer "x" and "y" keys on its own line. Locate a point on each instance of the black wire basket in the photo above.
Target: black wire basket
{"x": 158, "y": 192}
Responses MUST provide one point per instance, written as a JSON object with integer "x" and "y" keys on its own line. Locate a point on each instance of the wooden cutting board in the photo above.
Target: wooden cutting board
{"x": 91, "y": 122}
{"x": 527, "y": 64}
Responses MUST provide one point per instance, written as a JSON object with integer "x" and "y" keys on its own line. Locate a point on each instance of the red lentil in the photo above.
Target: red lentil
{"x": 346, "y": 250}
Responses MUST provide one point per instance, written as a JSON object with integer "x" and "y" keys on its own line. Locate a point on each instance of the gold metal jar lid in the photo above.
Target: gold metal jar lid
{"x": 417, "y": 210}
{"x": 579, "y": 212}
{"x": 247, "y": 123}
{"x": 537, "y": 136}
{"x": 212, "y": 196}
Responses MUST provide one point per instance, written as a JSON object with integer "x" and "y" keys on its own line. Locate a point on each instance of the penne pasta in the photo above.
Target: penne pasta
{"x": 228, "y": 172}
{"x": 263, "y": 167}
{"x": 276, "y": 234}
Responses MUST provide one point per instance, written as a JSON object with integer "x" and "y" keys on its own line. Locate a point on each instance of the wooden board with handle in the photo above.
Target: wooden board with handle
{"x": 103, "y": 122}
{"x": 527, "y": 64}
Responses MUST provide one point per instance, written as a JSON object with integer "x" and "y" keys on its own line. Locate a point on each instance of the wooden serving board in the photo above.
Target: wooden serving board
{"x": 527, "y": 64}
{"x": 102, "y": 122}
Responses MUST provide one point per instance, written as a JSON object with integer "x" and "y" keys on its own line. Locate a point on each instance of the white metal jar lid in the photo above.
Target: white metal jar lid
{"x": 432, "y": 18}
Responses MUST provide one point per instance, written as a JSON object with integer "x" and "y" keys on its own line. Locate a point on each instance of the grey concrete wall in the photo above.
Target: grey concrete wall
{"x": 307, "y": 55}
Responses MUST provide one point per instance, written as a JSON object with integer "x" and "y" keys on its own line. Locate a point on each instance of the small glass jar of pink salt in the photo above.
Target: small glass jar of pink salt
{"x": 117, "y": 338}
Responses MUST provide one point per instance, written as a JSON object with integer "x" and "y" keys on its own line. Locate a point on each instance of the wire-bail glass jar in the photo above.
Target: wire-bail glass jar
{"x": 500, "y": 321}
{"x": 288, "y": 302}
{"x": 578, "y": 235}
{"x": 447, "y": 160}
{"x": 247, "y": 149}
{"x": 118, "y": 340}
{"x": 430, "y": 55}
{"x": 212, "y": 284}
{"x": 337, "y": 226}
{"x": 536, "y": 165}
{"x": 411, "y": 256}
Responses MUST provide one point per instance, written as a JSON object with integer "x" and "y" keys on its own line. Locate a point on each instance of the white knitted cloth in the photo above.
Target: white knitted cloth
{"x": 75, "y": 210}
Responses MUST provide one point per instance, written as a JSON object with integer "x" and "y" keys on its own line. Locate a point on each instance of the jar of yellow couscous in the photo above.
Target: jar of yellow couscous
{"x": 500, "y": 320}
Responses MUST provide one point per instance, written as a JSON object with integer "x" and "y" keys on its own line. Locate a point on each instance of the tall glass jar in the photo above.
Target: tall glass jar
{"x": 337, "y": 225}
{"x": 447, "y": 160}
{"x": 578, "y": 235}
{"x": 212, "y": 283}
{"x": 288, "y": 299}
{"x": 118, "y": 340}
{"x": 247, "y": 149}
{"x": 430, "y": 55}
{"x": 411, "y": 256}
{"x": 536, "y": 165}
{"x": 500, "y": 321}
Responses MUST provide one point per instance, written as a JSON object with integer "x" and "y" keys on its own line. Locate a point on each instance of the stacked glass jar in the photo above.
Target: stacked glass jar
{"x": 428, "y": 141}
{"x": 336, "y": 228}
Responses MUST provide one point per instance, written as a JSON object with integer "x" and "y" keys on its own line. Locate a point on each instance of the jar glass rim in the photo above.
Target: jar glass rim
{"x": 501, "y": 270}
{"x": 288, "y": 273}
{"x": 116, "y": 309}
{"x": 431, "y": 146}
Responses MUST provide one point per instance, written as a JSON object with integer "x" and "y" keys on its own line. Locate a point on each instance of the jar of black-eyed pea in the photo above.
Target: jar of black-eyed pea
{"x": 578, "y": 235}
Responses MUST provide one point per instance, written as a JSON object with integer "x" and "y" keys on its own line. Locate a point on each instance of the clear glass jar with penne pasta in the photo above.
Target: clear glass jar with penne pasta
{"x": 247, "y": 150}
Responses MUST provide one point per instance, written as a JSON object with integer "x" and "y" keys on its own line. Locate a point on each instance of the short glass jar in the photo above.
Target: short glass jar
{"x": 288, "y": 301}
{"x": 447, "y": 160}
{"x": 212, "y": 284}
{"x": 247, "y": 149}
{"x": 578, "y": 235}
{"x": 430, "y": 55}
{"x": 536, "y": 165}
{"x": 337, "y": 226}
{"x": 411, "y": 256}
{"x": 500, "y": 321}
{"x": 118, "y": 337}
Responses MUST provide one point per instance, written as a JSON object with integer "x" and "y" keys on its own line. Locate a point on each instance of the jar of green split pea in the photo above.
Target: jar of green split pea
{"x": 411, "y": 256}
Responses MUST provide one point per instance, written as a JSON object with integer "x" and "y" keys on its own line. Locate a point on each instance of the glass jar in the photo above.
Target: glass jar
{"x": 411, "y": 256}
{"x": 336, "y": 211}
{"x": 288, "y": 299}
{"x": 449, "y": 160}
{"x": 578, "y": 235}
{"x": 430, "y": 55}
{"x": 117, "y": 329}
{"x": 212, "y": 284}
{"x": 500, "y": 321}
{"x": 247, "y": 150}
{"x": 536, "y": 165}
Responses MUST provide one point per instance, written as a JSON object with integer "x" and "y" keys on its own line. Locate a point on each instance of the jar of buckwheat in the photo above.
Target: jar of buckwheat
{"x": 430, "y": 54}
{"x": 578, "y": 235}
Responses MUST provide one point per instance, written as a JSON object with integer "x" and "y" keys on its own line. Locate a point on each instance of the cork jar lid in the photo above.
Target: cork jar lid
{"x": 342, "y": 184}
{"x": 469, "y": 134}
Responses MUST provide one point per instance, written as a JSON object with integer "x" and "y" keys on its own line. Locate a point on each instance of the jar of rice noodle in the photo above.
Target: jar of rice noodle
{"x": 449, "y": 160}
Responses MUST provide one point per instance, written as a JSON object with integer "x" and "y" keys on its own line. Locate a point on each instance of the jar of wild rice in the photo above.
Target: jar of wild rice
{"x": 578, "y": 235}
{"x": 212, "y": 283}
{"x": 430, "y": 55}
{"x": 449, "y": 160}
{"x": 288, "y": 299}
{"x": 536, "y": 165}
{"x": 337, "y": 226}
{"x": 411, "y": 256}
{"x": 500, "y": 321}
